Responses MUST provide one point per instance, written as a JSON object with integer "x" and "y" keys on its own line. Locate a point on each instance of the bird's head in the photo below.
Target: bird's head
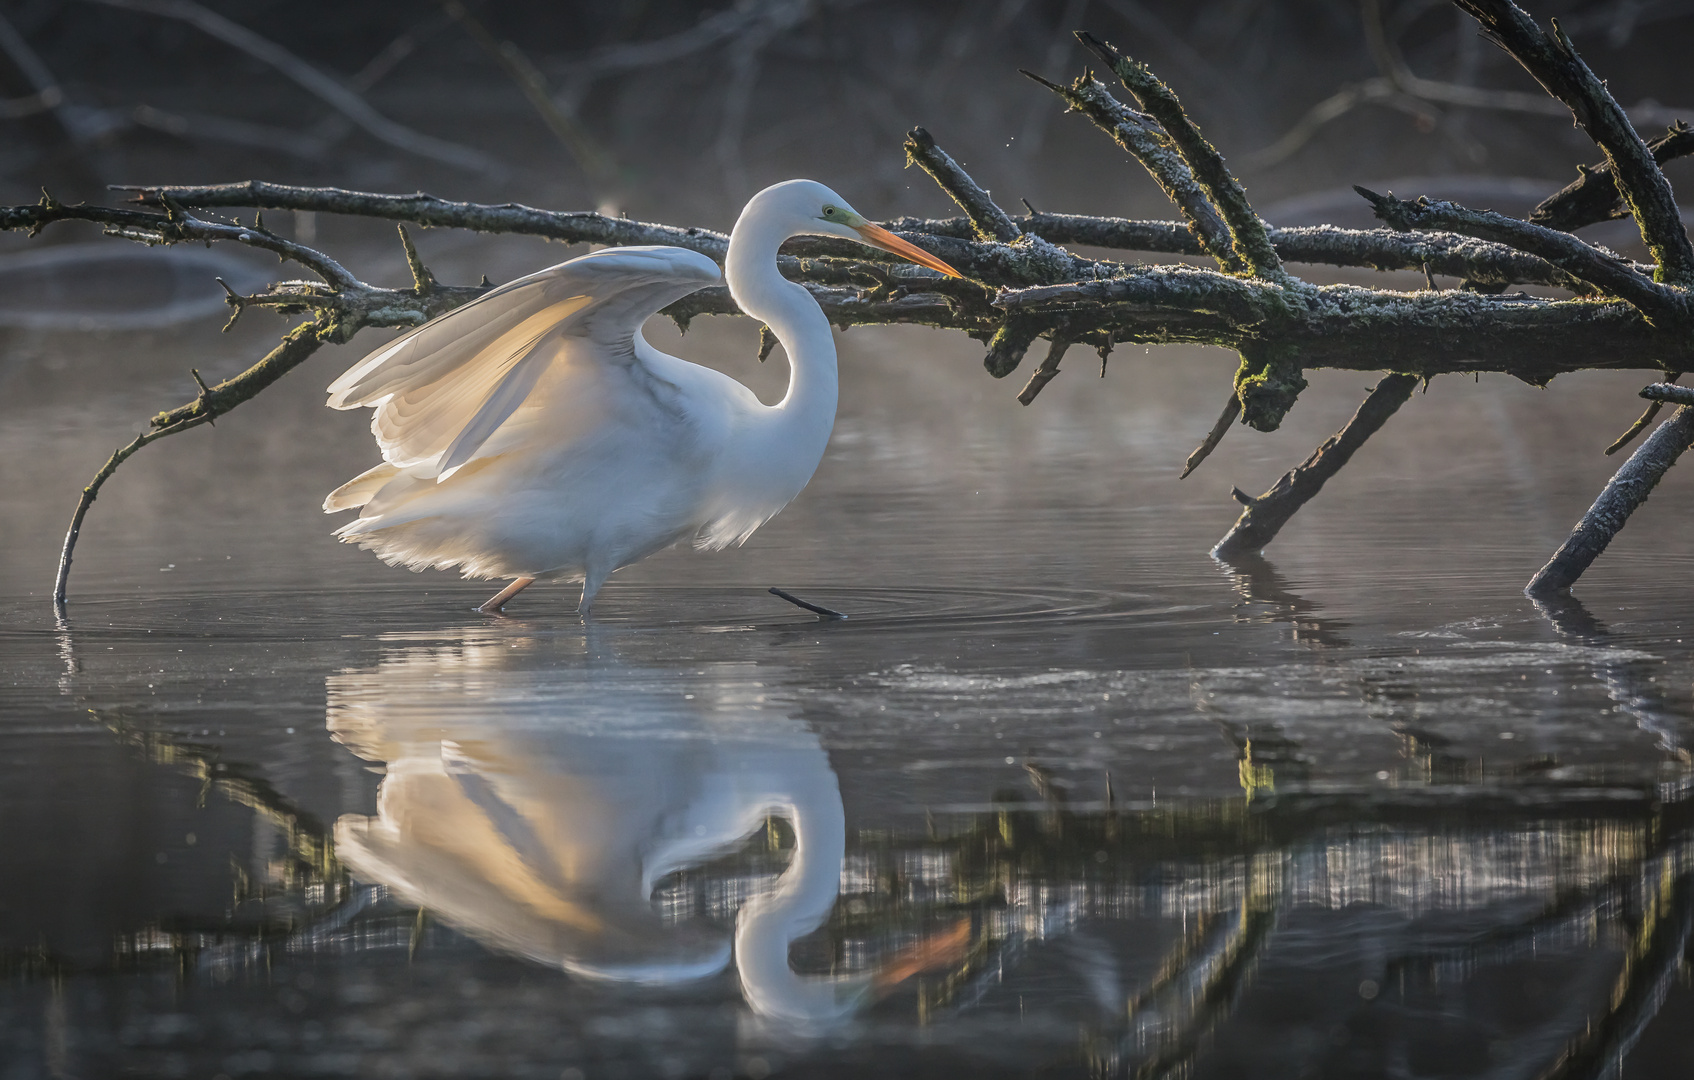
{"x": 816, "y": 210}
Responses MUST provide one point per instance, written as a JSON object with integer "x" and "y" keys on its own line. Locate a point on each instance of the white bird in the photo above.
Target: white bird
{"x": 534, "y": 433}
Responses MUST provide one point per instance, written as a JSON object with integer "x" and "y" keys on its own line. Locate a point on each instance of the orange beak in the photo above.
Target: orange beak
{"x": 877, "y": 236}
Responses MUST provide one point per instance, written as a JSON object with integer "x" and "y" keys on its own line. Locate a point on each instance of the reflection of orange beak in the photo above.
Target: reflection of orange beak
{"x": 943, "y": 950}
{"x": 877, "y": 236}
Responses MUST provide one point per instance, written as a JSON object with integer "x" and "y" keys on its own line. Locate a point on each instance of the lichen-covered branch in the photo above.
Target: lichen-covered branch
{"x": 988, "y": 220}
{"x": 1554, "y": 63}
{"x": 1379, "y": 249}
{"x": 1138, "y": 135}
{"x": 1355, "y": 329}
{"x": 174, "y": 226}
{"x": 1222, "y": 189}
{"x": 1677, "y": 395}
{"x": 1599, "y": 268}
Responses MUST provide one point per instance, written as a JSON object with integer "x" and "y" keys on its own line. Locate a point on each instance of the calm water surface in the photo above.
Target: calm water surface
{"x": 1062, "y": 796}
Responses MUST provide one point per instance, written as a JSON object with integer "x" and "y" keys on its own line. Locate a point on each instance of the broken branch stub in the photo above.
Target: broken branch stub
{"x": 1268, "y": 383}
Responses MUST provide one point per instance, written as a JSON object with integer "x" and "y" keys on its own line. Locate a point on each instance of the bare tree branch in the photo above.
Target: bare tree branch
{"x": 593, "y": 159}
{"x": 1647, "y": 417}
{"x": 1379, "y": 249}
{"x": 1044, "y": 374}
{"x": 1155, "y": 151}
{"x": 1554, "y": 63}
{"x": 1247, "y": 231}
{"x": 1231, "y": 411}
{"x": 990, "y": 222}
{"x": 1603, "y": 270}
{"x": 1593, "y": 197}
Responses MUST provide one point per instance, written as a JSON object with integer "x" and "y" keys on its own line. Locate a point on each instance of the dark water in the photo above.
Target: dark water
{"x": 1062, "y": 796}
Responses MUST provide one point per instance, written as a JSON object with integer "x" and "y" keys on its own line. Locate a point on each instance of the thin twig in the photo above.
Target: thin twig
{"x": 1046, "y": 372}
{"x": 92, "y": 491}
{"x": 817, "y": 609}
{"x": 1231, "y": 411}
{"x": 1647, "y": 416}
{"x": 589, "y": 155}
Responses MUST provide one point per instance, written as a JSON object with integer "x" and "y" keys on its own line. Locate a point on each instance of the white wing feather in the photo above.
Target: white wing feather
{"x": 442, "y": 391}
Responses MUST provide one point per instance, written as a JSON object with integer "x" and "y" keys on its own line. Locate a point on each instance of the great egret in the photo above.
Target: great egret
{"x": 535, "y": 433}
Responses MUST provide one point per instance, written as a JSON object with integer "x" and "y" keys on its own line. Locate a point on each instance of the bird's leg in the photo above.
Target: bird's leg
{"x": 592, "y": 579}
{"x": 498, "y": 600}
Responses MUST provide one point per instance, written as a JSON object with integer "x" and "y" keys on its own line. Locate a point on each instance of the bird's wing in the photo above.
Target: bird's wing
{"x": 443, "y": 389}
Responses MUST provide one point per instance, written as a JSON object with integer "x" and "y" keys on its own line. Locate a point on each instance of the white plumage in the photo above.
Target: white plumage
{"x": 534, "y": 433}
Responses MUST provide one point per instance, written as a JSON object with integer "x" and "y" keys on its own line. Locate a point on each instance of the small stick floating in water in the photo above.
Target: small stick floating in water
{"x": 797, "y": 602}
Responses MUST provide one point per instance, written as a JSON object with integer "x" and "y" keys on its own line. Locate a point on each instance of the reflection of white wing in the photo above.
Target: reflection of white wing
{"x": 443, "y": 390}
{"x": 537, "y": 810}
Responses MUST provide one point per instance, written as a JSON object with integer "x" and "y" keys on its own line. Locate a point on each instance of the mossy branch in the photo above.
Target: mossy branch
{"x": 1554, "y": 63}
{"x": 1224, "y": 191}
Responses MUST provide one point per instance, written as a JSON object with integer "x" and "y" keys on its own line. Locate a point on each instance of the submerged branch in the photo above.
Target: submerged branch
{"x": 1626, "y": 491}
{"x": 1266, "y": 515}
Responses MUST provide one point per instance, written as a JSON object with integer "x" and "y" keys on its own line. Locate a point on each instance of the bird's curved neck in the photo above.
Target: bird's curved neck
{"x": 792, "y": 315}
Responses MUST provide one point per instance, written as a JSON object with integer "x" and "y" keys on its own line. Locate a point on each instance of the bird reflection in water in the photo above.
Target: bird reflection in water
{"x": 538, "y": 811}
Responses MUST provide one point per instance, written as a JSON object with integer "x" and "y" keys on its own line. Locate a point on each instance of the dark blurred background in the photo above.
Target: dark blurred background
{"x": 661, "y": 107}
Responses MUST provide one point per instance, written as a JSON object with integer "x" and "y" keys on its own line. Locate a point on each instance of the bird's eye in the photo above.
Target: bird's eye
{"x": 830, "y": 211}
